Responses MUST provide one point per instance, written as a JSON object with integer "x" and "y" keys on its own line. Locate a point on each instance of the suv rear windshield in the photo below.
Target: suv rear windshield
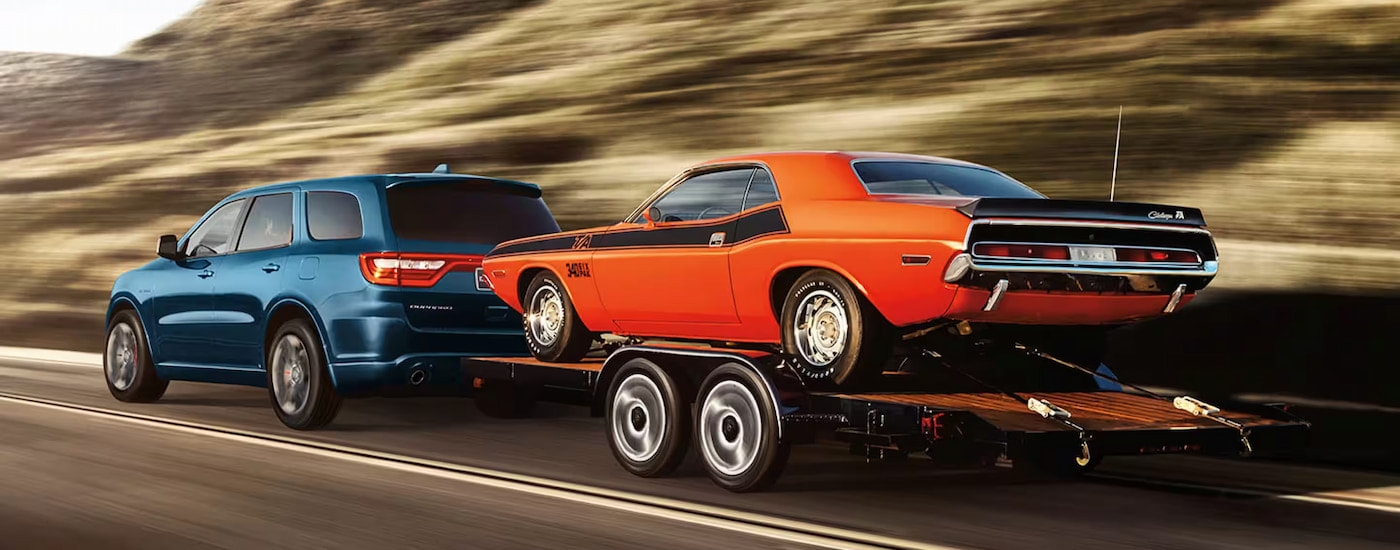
{"x": 926, "y": 178}
{"x": 477, "y": 211}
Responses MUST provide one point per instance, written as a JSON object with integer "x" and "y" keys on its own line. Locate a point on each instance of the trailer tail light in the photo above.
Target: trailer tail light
{"x": 1148, "y": 255}
{"x": 1034, "y": 251}
{"x": 413, "y": 270}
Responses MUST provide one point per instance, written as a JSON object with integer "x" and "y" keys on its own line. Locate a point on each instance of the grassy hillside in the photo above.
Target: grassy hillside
{"x": 1278, "y": 117}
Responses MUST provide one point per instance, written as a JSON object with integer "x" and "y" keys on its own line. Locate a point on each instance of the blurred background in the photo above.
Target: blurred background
{"x": 1277, "y": 117}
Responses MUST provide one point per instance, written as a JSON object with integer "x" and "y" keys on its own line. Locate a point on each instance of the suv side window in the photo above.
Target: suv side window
{"x": 705, "y": 196}
{"x": 332, "y": 215}
{"x": 269, "y": 223}
{"x": 761, "y": 190}
{"x": 214, "y": 237}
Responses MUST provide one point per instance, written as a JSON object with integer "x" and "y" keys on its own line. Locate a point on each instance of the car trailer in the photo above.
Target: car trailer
{"x": 743, "y": 409}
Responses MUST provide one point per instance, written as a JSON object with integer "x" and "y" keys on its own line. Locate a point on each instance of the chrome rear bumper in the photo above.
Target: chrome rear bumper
{"x": 964, "y": 263}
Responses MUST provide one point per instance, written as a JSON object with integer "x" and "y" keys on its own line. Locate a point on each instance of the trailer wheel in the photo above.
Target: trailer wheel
{"x": 648, "y": 420}
{"x": 737, "y": 431}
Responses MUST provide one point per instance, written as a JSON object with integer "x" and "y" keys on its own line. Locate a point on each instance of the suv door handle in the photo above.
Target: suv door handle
{"x": 269, "y": 268}
{"x": 206, "y": 274}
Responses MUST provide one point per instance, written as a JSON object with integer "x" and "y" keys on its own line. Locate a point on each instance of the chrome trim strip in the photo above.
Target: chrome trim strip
{"x": 997, "y": 293}
{"x": 1114, "y": 263}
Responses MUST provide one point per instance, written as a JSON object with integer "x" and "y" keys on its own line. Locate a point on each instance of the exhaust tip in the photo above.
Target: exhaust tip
{"x": 417, "y": 376}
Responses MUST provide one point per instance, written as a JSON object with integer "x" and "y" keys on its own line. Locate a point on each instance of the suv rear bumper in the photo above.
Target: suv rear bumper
{"x": 372, "y": 355}
{"x": 410, "y": 374}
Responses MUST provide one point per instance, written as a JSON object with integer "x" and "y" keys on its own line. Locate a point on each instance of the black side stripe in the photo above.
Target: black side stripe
{"x": 769, "y": 221}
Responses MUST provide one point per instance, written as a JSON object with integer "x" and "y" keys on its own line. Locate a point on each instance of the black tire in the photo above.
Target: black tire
{"x": 502, "y": 399}
{"x": 639, "y": 394}
{"x": 567, "y": 342}
{"x": 126, "y": 361}
{"x": 733, "y": 410}
{"x": 321, "y": 403}
{"x": 868, "y": 340}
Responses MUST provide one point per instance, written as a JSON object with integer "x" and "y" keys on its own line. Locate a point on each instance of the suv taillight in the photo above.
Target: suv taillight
{"x": 415, "y": 270}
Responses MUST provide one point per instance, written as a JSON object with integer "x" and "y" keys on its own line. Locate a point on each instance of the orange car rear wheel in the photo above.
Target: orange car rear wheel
{"x": 553, "y": 330}
{"x": 836, "y": 335}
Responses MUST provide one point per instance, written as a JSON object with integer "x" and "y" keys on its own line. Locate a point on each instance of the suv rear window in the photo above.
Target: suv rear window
{"x": 466, "y": 211}
{"x": 926, "y": 178}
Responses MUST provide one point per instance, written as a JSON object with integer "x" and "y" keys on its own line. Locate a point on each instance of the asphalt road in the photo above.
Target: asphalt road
{"x": 77, "y": 480}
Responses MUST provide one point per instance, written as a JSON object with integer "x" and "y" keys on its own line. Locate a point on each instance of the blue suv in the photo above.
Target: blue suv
{"x": 324, "y": 289}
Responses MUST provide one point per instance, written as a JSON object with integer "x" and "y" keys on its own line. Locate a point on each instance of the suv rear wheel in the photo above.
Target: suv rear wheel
{"x": 297, "y": 378}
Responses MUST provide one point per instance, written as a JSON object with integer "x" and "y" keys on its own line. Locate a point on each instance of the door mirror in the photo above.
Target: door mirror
{"x": 651, "y": 214}
{"x": 169, "y": 248}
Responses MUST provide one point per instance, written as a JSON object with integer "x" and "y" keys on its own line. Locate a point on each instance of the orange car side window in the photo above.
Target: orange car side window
{"x": 705, "y": 196}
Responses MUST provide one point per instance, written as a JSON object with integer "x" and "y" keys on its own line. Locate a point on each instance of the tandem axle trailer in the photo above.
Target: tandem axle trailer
{"x": 743, "y": 410}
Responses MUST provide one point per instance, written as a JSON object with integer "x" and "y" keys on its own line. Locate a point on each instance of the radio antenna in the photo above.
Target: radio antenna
{"x": 1119, "y": 134}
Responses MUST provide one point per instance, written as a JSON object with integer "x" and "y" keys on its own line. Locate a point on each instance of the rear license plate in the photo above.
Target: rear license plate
{"x": 1092, "y": 254}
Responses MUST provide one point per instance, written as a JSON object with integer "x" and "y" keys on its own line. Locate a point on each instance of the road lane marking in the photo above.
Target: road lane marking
{"x": 769, "y": 527}
{"x": 1238, "y": 491}
{"x": 75, "y": 359}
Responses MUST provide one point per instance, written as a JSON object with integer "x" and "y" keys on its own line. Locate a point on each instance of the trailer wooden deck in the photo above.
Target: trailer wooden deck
{"x": 1095, "y": 411}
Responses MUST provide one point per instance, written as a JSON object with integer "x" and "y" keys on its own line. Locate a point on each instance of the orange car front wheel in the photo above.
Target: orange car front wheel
{"x": 553, "y": 330}
{"x": 832, "y": 331}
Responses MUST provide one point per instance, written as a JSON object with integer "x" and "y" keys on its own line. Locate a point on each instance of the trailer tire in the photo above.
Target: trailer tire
{"x": 647, "y": 419}
{"x": 736, "y": 431}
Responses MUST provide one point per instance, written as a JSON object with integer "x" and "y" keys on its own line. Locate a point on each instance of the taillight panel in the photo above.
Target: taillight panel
{"x": 411, "y": 269}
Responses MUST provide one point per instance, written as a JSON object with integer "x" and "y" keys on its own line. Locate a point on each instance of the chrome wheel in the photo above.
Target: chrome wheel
{"x": 731, "y": 428}
{"x": 821, "y": 328}
{"x": 121, "y": 357}
{"x": 546, "y": 319}
{"x": 638, "y": 418}
{"x": 291, "y": 373}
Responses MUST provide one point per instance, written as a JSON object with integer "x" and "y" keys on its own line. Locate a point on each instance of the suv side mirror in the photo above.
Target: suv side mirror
{"x": 169, "y": 248}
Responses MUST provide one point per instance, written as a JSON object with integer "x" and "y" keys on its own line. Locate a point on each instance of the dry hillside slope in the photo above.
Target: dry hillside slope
{"x": 1278, "y": 117}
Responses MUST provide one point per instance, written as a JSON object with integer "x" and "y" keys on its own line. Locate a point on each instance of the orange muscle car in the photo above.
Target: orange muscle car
{"x": 833, "y": 256}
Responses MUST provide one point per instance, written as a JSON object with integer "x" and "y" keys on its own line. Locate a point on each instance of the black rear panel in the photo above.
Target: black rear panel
{"x": 1091, "y": 235}
{"x": 1084, "y": 210}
